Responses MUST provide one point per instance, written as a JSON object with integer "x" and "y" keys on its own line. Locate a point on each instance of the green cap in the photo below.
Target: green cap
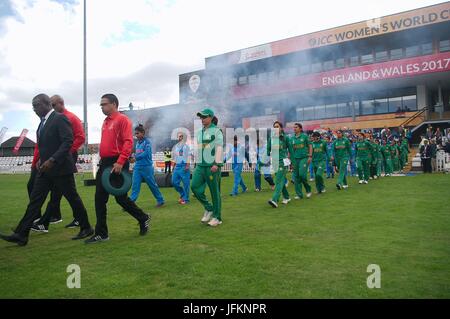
{"x": 206, "y": 113}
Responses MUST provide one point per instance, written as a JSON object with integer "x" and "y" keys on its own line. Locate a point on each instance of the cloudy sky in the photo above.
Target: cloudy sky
{"x": 137, "y": 48}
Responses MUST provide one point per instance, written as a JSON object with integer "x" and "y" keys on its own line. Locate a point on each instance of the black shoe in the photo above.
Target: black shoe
{"x": 56, "y": 220}
{"x": 273, "y": 203}
{"x": 39, "y": 228}
{"x": 144, "y": 226}
{"x": 15, "y": 238}
{"x": 339, "y": 187}
{"x": 96, "y": 239}
{"x": 73, "y": 224}
{"x": 84, "y": 233}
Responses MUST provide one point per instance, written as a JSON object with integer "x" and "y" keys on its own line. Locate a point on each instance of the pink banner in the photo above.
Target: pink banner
{"x": 20, "y": 141}
{"x": 373, "y": 72}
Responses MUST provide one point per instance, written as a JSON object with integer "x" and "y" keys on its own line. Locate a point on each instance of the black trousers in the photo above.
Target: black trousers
{"x": 102, "y": 196}
{"x": 426, "y": 164}
{"x": 43, "y": 184}
{"x": 53, "y": 209}
{"x": 167, "y": 167}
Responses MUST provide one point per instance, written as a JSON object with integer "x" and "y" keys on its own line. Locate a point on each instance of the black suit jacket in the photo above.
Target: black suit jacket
{"x": 55, "y": 140}
{"x": 425, "y": 153}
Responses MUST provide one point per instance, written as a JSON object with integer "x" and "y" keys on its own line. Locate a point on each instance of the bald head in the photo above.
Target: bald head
{"x": 58, "y": 103}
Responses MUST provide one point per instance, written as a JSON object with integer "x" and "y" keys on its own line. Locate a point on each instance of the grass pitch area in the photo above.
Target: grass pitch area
{"x": 311, "y": 248}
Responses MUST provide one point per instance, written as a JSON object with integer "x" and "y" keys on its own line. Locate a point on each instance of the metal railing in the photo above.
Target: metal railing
{"x": 422, "y": 112}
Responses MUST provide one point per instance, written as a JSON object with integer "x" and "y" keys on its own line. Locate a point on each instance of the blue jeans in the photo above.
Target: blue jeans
{"x": 352, "y": 166}
{"x": 181, "y": 175}
{"x": 237, "y": 171}
{"x": 330, "y": 171}
{"x": 145, "y": 173}
{"x": 267, "y": 177}
{"x": 311, "y": 170}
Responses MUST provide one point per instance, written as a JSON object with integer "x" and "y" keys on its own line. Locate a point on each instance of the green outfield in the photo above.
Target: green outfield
{"x": 311, "y": 248}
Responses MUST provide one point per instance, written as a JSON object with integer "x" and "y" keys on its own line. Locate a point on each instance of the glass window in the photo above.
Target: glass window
{"x": 412, "y": 51}
{"x": 262, "y": 77}
{"x": 444, "y": 46}
{"x": 283, "y": 73}
{"x": 381, "y": 106}
{"x": 242, "y": 80}
{"x": 381, "y": 56}
{"x": 395, "y": 104}
{"x": 231, "y": 81}
{"x": 320, "y": 112}
{"x": 354, "y": 61}
{"x": 367, "y": 58}
{"x": 340, "y": 63}
{"x": 331, "y": 111}
{"x": 308, "y": 113}
{"x": 305, "y": 69}
{"x": 396, "y": 54}
{"x": 328, "y": 65}
{"x": 344, "y": 109}
{"x": 427, "y": 48}
{"x": 300, "y": 114}
{"x": 316, "y": 67}
{"x": 252, "y": 79}
{"x": 367, "y": 107}
{"x": 409, "y": 103}
{"x": 271, "y": 76}
{"x": 292, "y": 72}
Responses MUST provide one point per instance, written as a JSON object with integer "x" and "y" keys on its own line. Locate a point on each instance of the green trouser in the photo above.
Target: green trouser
{"x": 388, "y": 166}
{"x": 402, "y": 160}
{"x": 201, "y": 177}
{"x": 301, "y": 175}
{"x": 318, "y": 168}
{"x": 395, "y": 164}
{"x": 363, "y": 168}
{"x": 379, "y": 168}
{"x": 342, "y": 166}
{"x": 280, "y": 184}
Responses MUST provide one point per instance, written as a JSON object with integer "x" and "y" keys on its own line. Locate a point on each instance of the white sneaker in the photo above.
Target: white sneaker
{"x": 344, "y": 186}
{"x": 361, "y": 181}
{"x": 285, "y": 201}
{"x": 311, "y": 179}
{"x": 308, "y": 195}
{"x": 273, "y": 204}
{"x": 324, "y": 191}
{"x": 296, "y": 197}
{"x": 366, "y": 182}
{"x": 214, "y": 222}
{"x": 206, "y": 216}
{"x": 375, "y": 177}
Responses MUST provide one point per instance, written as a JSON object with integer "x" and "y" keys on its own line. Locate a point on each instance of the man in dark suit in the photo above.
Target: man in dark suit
{"x": 425, "y": 155}
{"x": 56, "y": 168}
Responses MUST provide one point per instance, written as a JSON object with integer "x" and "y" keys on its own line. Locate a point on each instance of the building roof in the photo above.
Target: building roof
{"x": 10, "y": 143}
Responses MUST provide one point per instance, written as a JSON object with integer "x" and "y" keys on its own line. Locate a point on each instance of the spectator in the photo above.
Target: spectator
{"x": 433, "y": 147}
{"x": 425, "y": 155}
{"x": 429, "y": 133}
{"x": 438, "y": 136}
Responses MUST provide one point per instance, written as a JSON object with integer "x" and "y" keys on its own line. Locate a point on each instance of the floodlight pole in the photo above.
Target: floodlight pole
{"x": 86, "y": 143}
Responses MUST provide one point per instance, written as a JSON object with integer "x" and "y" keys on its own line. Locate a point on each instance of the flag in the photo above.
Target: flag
{"x": 2, "y": 133}
{"x": 20, "y": 141}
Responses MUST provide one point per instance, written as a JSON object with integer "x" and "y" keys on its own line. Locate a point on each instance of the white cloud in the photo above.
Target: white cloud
{"x": 41, "y": 46}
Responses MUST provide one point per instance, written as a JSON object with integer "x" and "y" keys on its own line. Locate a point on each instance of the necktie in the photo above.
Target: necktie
{"x": 41, "y": 125}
